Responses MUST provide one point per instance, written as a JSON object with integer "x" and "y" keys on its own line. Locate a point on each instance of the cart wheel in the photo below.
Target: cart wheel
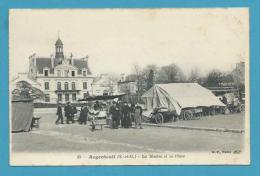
{"x": 188, "y": 115}
{"x": 159, "y": 118}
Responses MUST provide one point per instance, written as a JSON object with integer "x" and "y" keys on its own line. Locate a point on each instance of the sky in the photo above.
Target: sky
{"x": 116, "y": 39}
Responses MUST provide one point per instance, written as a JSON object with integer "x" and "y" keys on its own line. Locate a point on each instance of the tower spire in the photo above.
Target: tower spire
{"x": 59, "y": 56}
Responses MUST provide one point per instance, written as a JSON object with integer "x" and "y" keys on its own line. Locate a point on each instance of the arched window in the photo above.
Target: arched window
{"x": 58, "y": 85}
{"x": 66, "y": 86}
{"x": 84, "y": 73}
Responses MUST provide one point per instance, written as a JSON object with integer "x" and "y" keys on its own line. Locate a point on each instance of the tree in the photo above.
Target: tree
{"x": 150, "y": 79}
{"x": 194, "y": 76}
{"x": 139, "y": 78}
{"x": 148, "y": 68}
{"x": 227, "y": 78}
{"x": 238, "y": 74}
{"x": 214, "y": 78}
{"x": 25, "y": 90}
{"x": 170, "y": 74}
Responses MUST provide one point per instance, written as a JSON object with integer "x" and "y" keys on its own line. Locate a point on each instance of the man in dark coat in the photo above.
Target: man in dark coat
{"x": 68, "y": 112}
{"x": 120, "y": 119}
{"x": 84, "y": 115}
{"x": 73, "y": 112}
{"x": 81, "y": 115}
{"x": 115, "y": 112}
{"x": 59, "y": 114}
{"x": 97, "y": 106}
{"x": 126, "y": 121}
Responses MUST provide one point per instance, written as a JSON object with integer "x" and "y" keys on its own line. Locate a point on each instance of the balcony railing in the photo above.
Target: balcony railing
{"x": 64, "y": 90}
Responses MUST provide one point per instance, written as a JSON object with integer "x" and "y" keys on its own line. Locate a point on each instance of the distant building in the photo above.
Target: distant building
{"x": 127, "y": 87}
{"x": 61, "y": 78}
{"x": 104, "y": 85}
{"x": 239, "y": 73}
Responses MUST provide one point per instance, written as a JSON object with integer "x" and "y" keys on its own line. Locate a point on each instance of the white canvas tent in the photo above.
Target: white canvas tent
{"x": 176, "y": 96}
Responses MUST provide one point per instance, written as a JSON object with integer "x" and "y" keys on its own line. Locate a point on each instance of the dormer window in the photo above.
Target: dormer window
{"x": 73, "y": 73}
{"x": 84, "y": 73}
{"x": 46, "y": 72}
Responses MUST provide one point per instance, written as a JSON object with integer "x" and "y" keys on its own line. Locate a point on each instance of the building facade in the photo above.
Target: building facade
{"x": 62, "y": 78}
{"x": 128, "y": 87}
{"x": 104, "y": 85}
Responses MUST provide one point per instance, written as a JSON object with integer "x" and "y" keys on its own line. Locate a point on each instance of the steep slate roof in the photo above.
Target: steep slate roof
{"x": 42, "y": 63}
{"x": 80, "y": 64}
{"x": 46, "y": 62}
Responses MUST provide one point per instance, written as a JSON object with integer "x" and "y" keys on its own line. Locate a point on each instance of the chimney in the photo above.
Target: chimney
{"x": 87, "y": 60}
{"x": 52, "y": 61}
{"x": 34, "y": 59}
{"x": 71, "y": 58}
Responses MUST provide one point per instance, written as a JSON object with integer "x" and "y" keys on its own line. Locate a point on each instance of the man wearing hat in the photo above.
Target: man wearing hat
{"x": 67, "y": 110}
{"x": 59, "y": 114}
{"x": 115, "y": 112}
{"x": 96, "y": 106}
{"x": 126, "y": 121}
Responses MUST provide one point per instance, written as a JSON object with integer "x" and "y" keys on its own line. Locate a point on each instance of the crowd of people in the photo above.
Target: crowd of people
{"x": 121, "y": 114}
{"x": 69, "y": 112}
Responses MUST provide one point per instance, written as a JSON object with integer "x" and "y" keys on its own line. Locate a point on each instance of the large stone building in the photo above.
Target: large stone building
{"x": 62, "y": 78}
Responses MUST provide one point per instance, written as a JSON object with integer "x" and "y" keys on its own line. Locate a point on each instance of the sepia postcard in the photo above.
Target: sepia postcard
{"x": 166, "y": 86}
